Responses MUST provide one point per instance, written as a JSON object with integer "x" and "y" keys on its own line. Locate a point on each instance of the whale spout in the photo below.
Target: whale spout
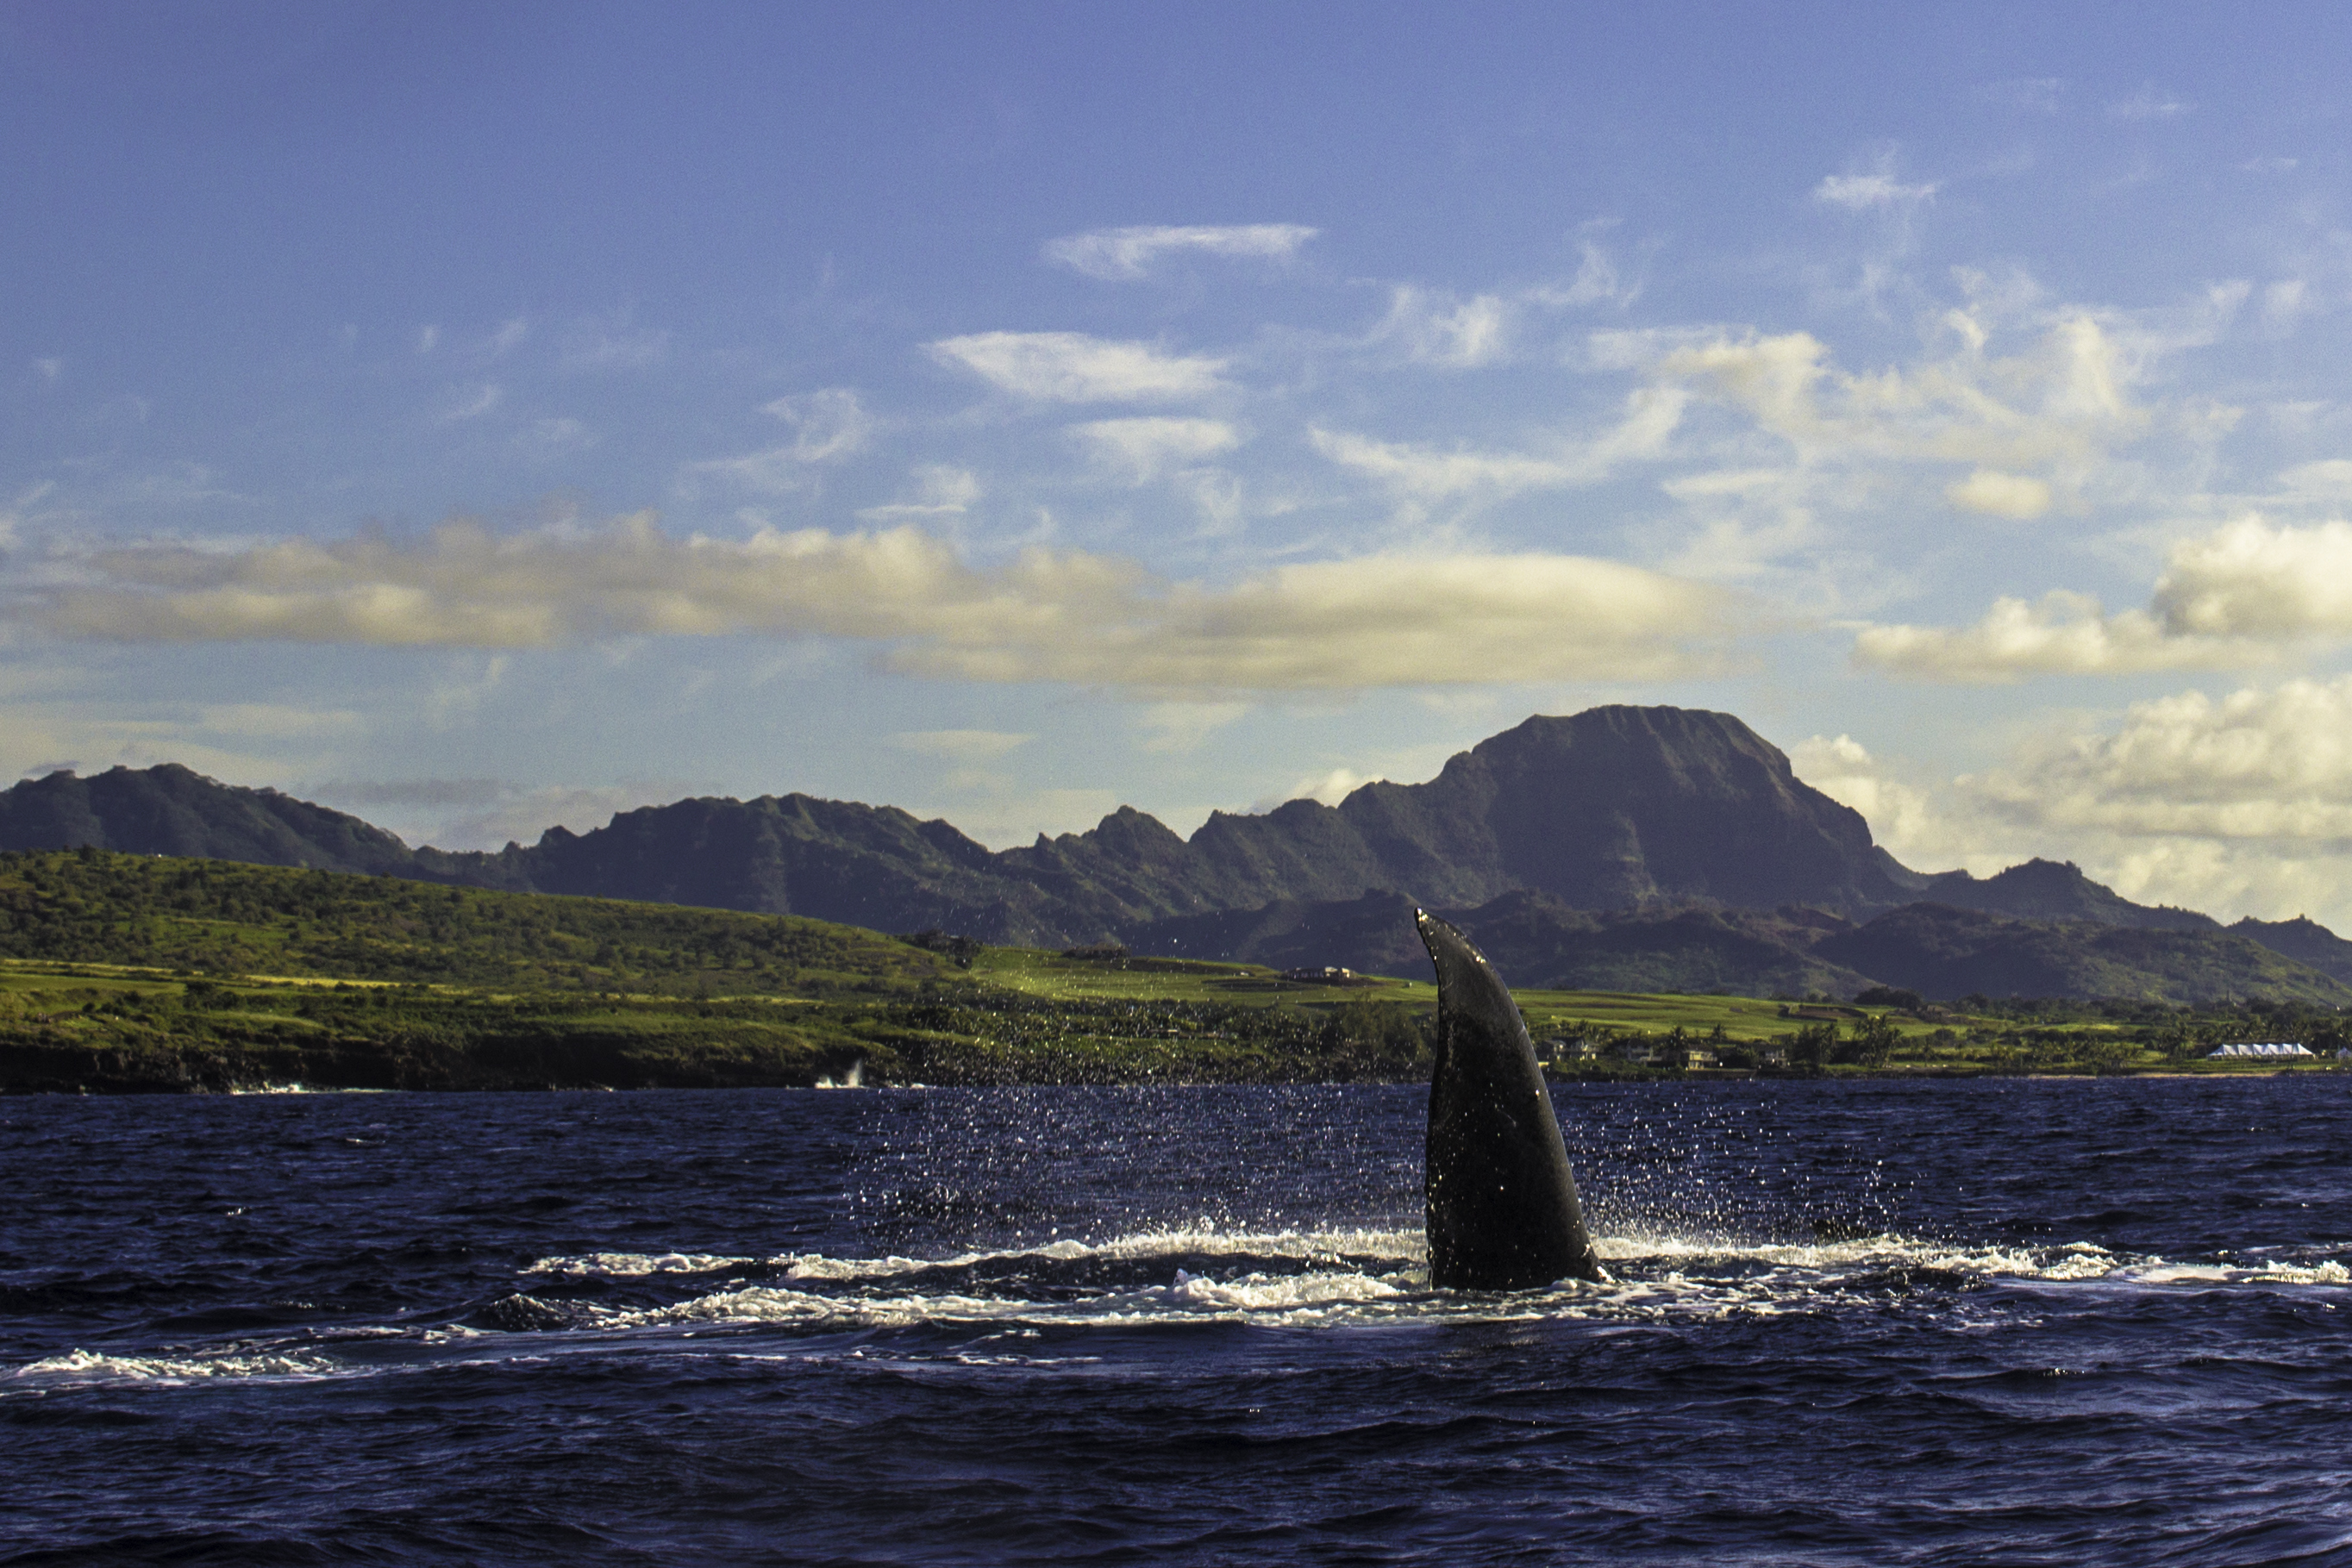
{"x": 1503, "y": 1212}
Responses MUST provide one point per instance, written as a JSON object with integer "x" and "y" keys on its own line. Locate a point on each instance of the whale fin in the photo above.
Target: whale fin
{"x": 1503, "y": 1212}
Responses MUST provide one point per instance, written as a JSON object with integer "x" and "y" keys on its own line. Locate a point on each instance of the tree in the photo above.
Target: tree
{"x": 1873, "y": 1040}
{"x": 1811, "y": 1045}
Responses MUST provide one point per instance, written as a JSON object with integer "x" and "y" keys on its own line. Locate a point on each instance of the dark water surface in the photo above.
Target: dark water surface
{"x": 1980, "y": 1323}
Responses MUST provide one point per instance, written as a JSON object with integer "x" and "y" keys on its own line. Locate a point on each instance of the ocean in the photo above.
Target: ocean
{"x": 1894, "y": 1321}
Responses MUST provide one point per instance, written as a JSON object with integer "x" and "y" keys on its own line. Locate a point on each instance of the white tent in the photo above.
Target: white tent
{"x": 2287, "y": 1048}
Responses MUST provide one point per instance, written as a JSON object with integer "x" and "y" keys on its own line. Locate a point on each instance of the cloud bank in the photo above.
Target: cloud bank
{"x": 1377, "y": 621}
{"x": 2244, "y": 594}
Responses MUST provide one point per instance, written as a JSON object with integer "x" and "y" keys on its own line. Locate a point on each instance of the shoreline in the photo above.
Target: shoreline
{"x": 193, "y": 1086}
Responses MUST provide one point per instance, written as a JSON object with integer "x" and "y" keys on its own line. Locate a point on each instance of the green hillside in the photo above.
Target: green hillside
{"x": 128, "y": 973}
{"x": 91, "y": 906}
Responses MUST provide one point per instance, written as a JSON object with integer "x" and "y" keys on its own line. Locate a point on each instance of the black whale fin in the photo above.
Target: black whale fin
{"x": 1503, "y": 1212}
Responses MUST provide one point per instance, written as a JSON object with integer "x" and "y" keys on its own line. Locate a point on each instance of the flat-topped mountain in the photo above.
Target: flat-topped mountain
{"x": 1613, "y": 807}
{"x": 1621, "y": 844}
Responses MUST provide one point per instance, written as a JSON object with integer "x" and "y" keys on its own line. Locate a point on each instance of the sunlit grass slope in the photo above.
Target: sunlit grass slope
{"x": 126, "y": 972}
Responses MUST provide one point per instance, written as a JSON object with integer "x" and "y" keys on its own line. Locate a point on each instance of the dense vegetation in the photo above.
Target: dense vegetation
{"x": 121, "y": 972}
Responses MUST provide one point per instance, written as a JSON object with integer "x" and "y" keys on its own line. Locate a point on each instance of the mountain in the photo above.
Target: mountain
{"x": 173, "y": 810}
{"x": 1621, "y": 847}
{"x": 2055, "y": 890}
{"x": 1536, "y": 940}
{"x": 1942, "y": 952}
{"x": 1610, "y": 808}
{"x": 2303, "y": 939}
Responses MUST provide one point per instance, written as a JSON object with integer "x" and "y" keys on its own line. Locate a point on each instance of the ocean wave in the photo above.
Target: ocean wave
{"x": 1297, "y": 1277}
{"x": 79, "y": 1368}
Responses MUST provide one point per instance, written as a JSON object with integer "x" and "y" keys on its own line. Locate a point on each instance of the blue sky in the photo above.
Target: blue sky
{"x": 480, "y": 417}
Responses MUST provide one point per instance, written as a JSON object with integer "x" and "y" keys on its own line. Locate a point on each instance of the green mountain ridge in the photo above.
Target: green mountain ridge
{"x": 1635, "y": 846}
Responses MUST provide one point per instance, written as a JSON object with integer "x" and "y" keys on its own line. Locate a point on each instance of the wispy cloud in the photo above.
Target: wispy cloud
{"x": 472, "y": 402}
{"x": 827, "y": 425}
{"x": 1070, "y": 367}
{"x": 1382, "y": 621}
{"x": 1130, "y": 253}
{"x": 1430, "y": 474}
{"x": 2149, "y": 103}
{"x": 1142, "y": 449}
{"x": 1862, "y": 192}
{"x": 940, "y": 491}
{"x": 1434, "y": 328}
{"x": 508, "y": 337}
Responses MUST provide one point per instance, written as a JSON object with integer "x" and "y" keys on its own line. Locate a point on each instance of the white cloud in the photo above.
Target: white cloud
{"x": 1070, "y": 367}
{"x": 426, "y": 338}
{"x": 1129, "y": 253}
{"x": 2253, "y": 579}
{"x": 1143, "y": 449}
{"x": 1861, "y": 193}
{"x": 472, "y": 402}
{"x": 2284, "y": 301}
{"x": 2063, "y": 403}
{"x": 2241, "y": 804}
{"x": 1439, "y": 329}
{"x": 17, "y": 513}
{"x": 508, "y": 337}
{"x": 940, "y": 491}
{"x": 2273, "y": 764}
{"x": 1430, "y": 474}
{"x": 2240, "y": 595}
{"x": 2062, "y": 634}
{"x": 49, "y": 368}
{"x": 1909, "y": 819}
{"x": 827, "y": 425}
{"x": 2019, "y": 497}
{"x": 1597, "y": 279}
{"x": 1383, "y": 621}
{"x": 1329, "y": 788}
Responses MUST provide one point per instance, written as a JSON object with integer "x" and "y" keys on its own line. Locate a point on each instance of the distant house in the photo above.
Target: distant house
{"x": 1329, "y": 974}
{"x": 1698, "y": 1056}
{"x": 2274, "y": 1049}
{"x": 1773, "y": 1056}
{"x": 1561, "y": 1049}
{"x": 1635, "y": 1052}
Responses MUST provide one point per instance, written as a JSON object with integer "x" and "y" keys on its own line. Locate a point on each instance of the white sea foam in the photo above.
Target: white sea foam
{"x": 1358, "y": 1275}
{"x": 79, "y": 1367}
{"x": 635, "y": 1265}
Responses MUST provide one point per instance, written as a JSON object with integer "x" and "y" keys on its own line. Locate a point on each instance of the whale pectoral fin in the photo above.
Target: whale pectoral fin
{"x": 1502, "y": 1211}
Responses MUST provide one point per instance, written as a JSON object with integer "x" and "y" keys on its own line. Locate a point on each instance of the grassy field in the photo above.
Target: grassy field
{"x": 121, "y": 972}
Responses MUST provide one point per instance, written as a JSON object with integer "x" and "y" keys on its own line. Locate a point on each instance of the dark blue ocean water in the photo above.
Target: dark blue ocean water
{"x": 1964, "y": 1323}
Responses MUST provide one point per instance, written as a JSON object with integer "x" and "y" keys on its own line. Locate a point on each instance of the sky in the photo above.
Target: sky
{"x": 482, "y": 416}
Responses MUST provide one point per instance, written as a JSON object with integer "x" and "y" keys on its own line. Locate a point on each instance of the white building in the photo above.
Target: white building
{"x": 2277, "y": 1048}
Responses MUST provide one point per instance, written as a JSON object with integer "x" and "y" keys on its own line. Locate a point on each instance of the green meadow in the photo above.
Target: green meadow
{"x": 124, "y": 973}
